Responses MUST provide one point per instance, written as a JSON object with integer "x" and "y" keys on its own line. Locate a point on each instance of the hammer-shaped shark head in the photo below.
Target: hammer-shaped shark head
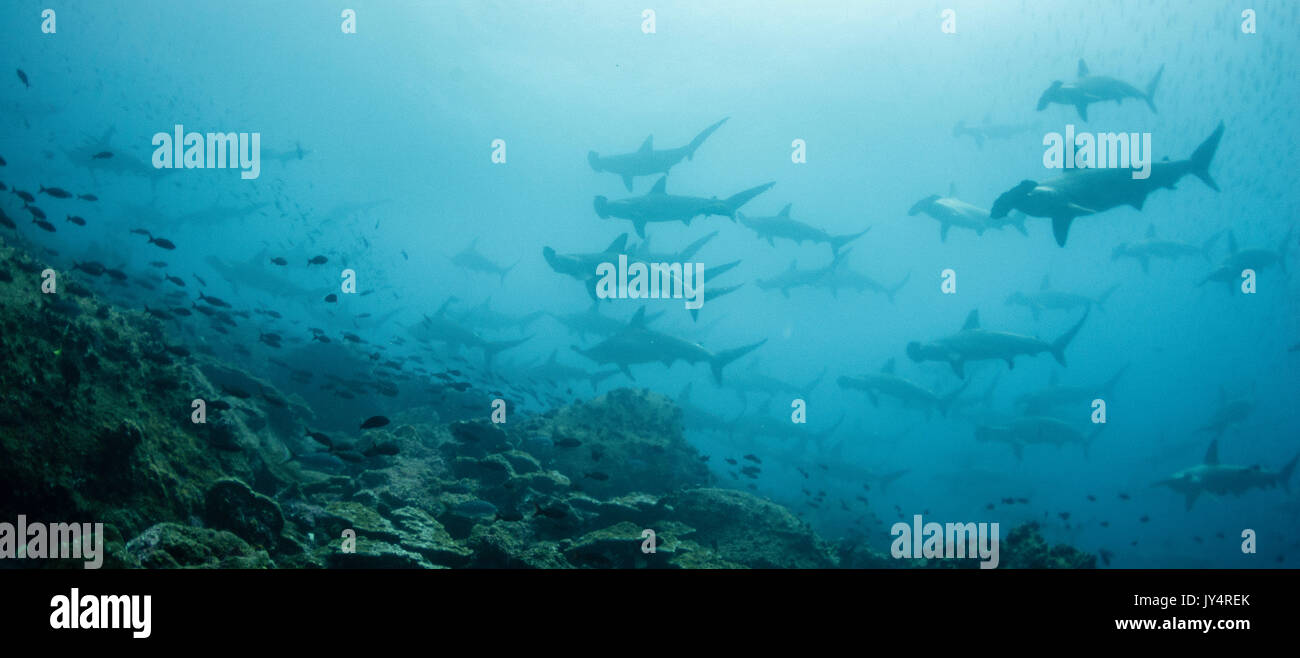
{"x": 593, "y": 158}
{"x": 1048, "y": 95}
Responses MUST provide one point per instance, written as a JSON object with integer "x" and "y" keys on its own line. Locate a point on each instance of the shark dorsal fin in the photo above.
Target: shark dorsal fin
{"x": 888, "y": 368}
{"x": 638, "y": 320}
{"x": 1151, "y": 231}
{"x": 619, "y": 244}
{"x": 1083, "y": 69}
{"x": 1047, "y": 282}
{"x": 972, "y": 321}
{"x": 647, "y": 146}
{"x": 785, "y": 212}
{"x": 661, "y": 186}
{"x": 1212, "y": 455}
{"x": 1232, "y": 242}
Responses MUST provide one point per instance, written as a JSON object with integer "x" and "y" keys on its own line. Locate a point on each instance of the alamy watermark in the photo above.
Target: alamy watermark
{"x": 195, "y": 150}
{"x": 946, "y": 541}
{"x": 651, "y": 281}
{"x": 1098, "y": 151}
{"x": 53, "y": 541}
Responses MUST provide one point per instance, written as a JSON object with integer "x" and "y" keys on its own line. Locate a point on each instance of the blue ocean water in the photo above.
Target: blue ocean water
{"x": 378, "y": 152}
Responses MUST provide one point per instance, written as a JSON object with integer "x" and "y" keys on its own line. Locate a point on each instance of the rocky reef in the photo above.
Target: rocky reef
{"x": 97, "y": 423}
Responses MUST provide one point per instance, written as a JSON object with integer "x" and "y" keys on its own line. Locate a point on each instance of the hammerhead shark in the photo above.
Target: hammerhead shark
{"x": 646, "y": 161}
{"x": 973, "y": 343}
{"x": 1221, "y": 479}
{"x": 1096, "y": 89}
{"x": 781, "y": 225}
{"x": 659, "y": 206}
{"x": 1087, "y": 191}
{"x": 639, "y": 344}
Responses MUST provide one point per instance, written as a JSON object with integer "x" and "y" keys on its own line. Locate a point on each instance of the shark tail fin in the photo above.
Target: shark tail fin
{"x": 1151, "y": 89}
{"x": 886, "y": 479}
{"x": 1110, "y": 383}
{"x": 1101, "y": 301}
{"x": 735, "y": 201}
{"x": 506, "y": 271}
{"x": 945, "y": 402}
{"x": 1202, "y": 156}
{"x": 699, "y": 139}
{"x": 721, "y": 359}
{"x": 492, "y": 348}
{"x": 807, "y": 390}
{"x": 838, "y": 241}
{"x": 1284, "y": 475}
{"x": 899, "y": 286}
{"x": 1059, "y": 345}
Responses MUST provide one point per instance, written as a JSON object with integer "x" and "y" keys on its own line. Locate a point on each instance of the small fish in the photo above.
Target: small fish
{"x": 318, "y": 260}
{"x": 567, "y": 442}
{"x": 1106, "y": 556}
{"x": 1123, "y": 496}
{"x": 44, "y": 224}
{"x": 388, "y": 448}
{"x": 219, "y": 405}
{"x": 597, "y": 475}
{"x": 331, "y": 298}
{"x": 1144, "y": 518}
{"x": 162, "y": 242}
{"x": 139, "y": 231}
{"x": 374, "y": 421}
{"x": 102, "y": 155}
{"x": 36, "y": 212}
{"x": 1092, "y": 498}
{"x": 87, "y": 197}
{"x": 279, "y": 261}
{"x": 23, "y": 76}
{"x": 116, "y": 275}
{"x": 26, "y": 197}
{"x": 752, "y": 458}
{"x": 5, "y": 221}
{"x": 2, "y": 162}
{"x": 56, "y": 192}
{"x": 76, "y": 220}
{"x": 213, "y": 301}
{"x": 157, "y": 263}
{"x": 202, "y": 282}
{"x": 90, "y": 267}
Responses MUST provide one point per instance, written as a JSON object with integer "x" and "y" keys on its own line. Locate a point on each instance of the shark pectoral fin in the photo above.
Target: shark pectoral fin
{"x": 1146, "y": 264}
{"x": 1061, "y": 228}
{"x": 943, "y": 231}
{"x": 1011, "y": 363}
{"x": 627, "y": 182}
{"x": 626, "y": 371}
{"x": 875, "y": 400}
{"x": 640, "y": 229}
{"x": 959, "y": 367}
{"x": 1083, "y": 110}
{"x": 1191, "y": 497}
{"x": 770, "y": 241}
